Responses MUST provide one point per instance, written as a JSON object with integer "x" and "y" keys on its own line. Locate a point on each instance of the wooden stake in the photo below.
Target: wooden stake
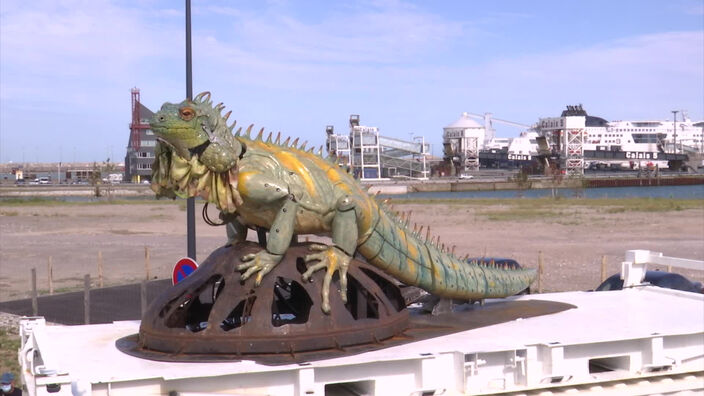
{"x": 100, "y": 268}
{"x": 143, "y": 296}
{"x": 35, "y": 305}
{"x": 603, "y": 268}
{"x": 86, "y": 299}
{"x": 540, "y": 271}
{"x": 146, "y": 261}
{"x": 669, "y": 268}
{"x": 50, "y": 275}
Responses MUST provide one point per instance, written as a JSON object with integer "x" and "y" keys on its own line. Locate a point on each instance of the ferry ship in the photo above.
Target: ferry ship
{"x": 621, "y": 144}
{"x": 683, "y": 136}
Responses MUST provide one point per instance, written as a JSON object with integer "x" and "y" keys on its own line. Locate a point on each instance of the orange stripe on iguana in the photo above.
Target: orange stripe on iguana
{"x": 292, "y": 163}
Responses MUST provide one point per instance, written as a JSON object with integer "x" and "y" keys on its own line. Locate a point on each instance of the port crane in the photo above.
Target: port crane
{"x": 489, "y": 123}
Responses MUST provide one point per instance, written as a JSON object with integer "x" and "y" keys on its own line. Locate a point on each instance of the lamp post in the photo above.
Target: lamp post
{"x": 410, "y": 159}
{"x": 190, "y": 202}
{"x": 674, "y": 130}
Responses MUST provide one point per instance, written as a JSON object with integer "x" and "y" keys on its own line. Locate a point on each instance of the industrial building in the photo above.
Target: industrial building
{"x": 467, "y": 145}
{"x": 368, "y": 155}
{"x": 462, "y": 141}
{"x": 59, "y": 172}
{"x": 141, "y": 144}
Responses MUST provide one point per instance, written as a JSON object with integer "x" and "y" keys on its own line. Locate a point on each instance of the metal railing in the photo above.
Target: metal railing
{"x": 634, "y": 267}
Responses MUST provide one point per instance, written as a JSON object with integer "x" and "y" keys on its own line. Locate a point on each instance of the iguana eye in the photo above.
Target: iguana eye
{"x": 186, "y": 113}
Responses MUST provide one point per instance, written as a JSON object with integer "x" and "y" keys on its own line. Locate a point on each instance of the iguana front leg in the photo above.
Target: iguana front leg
{"x": 235, "y": 230}
{"x": 338, "y": 256}
{"x": 278, "y": 241}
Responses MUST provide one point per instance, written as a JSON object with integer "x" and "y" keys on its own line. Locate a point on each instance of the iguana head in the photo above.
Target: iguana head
{"x": 197, "y": 128}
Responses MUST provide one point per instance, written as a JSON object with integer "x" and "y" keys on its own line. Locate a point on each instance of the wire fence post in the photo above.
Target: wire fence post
{"x": 50, "y": 275}
{"x": 143, "y": 296}
{"x": 100, "y": 268}
{"x": 86, "y": 299}
{"x": 540, "y": 271}
{"x": 35, "y": 304}
{"x": 146, "y": 263}
{"x": 603, "y": 268}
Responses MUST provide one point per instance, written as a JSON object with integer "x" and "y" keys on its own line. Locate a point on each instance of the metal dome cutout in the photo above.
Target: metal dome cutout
{"x": 213, "y": 315}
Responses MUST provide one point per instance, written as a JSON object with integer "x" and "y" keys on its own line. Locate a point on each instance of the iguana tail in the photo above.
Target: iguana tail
{"x": 414, "y": 260}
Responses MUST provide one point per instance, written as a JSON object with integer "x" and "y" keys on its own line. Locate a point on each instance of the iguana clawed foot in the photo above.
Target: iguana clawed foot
{"x": 261, "y": 262}
{"x": 334, "y": 259}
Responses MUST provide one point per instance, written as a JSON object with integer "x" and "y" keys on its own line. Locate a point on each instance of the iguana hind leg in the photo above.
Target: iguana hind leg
{"x": 336, "y": 257}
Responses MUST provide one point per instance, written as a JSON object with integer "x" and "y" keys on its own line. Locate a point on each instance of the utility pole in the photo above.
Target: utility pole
{"x": 674, "y": 130}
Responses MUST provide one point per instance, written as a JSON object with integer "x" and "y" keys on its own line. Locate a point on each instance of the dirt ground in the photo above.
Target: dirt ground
{"x": 572, "y": 240}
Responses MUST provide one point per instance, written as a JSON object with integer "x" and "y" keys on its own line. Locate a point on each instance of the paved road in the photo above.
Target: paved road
{"x": 107, "y": 304}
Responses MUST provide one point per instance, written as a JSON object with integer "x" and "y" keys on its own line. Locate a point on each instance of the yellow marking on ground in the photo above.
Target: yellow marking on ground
{"x": 289, "y": 160}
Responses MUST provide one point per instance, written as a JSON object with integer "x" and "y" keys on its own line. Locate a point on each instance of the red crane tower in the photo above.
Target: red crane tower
{"x": 136, "y": 125}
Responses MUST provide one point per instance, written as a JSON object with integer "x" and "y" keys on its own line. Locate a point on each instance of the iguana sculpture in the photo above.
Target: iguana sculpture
{"x": 287, "y": 190}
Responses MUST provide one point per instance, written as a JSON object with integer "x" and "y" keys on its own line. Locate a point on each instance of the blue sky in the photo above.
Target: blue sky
{"x": 407, "y": 67}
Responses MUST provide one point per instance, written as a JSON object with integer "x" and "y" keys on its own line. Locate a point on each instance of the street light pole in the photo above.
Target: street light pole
{"x": 674, "y": 130}
{"x": 190, "y": 202}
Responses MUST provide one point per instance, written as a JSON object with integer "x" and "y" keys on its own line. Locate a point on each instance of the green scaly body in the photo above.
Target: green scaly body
{"x": 287, "y": 190}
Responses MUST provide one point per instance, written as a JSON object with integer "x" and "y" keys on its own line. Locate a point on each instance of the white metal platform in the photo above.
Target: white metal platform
{"x": 641, "y": 340}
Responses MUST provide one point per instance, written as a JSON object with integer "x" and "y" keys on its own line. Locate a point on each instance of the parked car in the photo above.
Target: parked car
{"x": 667, "y": 280}
{"x": 466, "y": 177}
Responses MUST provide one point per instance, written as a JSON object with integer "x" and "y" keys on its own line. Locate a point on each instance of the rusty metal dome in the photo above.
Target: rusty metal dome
{"x": 213, "y": 315}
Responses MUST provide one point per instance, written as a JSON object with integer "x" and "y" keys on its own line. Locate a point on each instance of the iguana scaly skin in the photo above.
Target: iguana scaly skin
{"x": 287, "y": 190}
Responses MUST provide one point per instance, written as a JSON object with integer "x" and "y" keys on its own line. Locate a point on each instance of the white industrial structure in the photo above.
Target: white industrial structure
{"x": 641, "y": 340}
{"x": 465, "y": 138}
{"x": 462, "y": 141}
{"x": 370, "y": 156}
{"x": 489, "y": 126}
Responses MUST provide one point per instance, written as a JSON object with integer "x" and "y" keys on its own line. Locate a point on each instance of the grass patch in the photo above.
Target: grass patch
{"x": 9, "y": 343}
{"x": 615, "y": 205}
{"x": 36, "y": 201}
{"x": 519, "y": 213}
{"x": 127, "y": 232}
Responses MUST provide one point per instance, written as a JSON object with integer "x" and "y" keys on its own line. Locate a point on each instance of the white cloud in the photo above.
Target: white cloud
{"x": 634, "y": 77}
{"x": 67, "y": 44}
{"x": 402, "y": 68}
